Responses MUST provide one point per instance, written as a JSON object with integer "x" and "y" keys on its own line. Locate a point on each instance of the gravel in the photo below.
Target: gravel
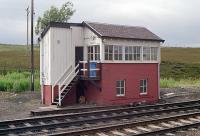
{"x": 19, "y": 105}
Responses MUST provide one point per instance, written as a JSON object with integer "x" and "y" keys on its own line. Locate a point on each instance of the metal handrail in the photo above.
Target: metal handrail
{"x": 58, "y": 80}
{"x": 67, "y": 81}
{"x": 61, "y": 76}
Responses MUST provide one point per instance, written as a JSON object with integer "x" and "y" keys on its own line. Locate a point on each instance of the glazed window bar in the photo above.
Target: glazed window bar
{"x": 130, "y": 53}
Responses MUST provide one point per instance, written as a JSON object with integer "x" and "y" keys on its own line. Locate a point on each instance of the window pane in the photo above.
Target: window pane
{"x": 116, "y": 49}
{"x": 141, "y": 89}
{"x": 106, "y": 56}
{"x": 154, "y": 53}
{"x": 108, "y": 52}
{"x": 130, "y": 57}
{"x": 145, "y": 82}
{"x": 126, "y": 50}
{"x": 106, "y": 49}
{"x": 122, "y": 83}
{"x": 126, "y": 56}
{"x": 110, "y": 57}
{"x": 130, "y": 50}
{"x": 120, "y": 56}
{"x": 122, "y": 91}
{"x": 118, "y": 91}
{"x": 120, "y": 49}
{"x": 116, "y": 56}
{"x": 110, "y": 49}
{"x": 146, "y": 53}
{"x": 118, "y": 83}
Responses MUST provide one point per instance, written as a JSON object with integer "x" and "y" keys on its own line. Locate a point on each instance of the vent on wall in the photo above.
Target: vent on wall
{"x": 58, "y": 41}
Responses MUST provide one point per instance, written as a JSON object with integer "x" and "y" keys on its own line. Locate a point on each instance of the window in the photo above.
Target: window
{"x": 113, "y": 52}
{"x": 143, "y": 86}
{"x": 109, "y": 52}
{"x": 154, "y": 53}
{"x": 132, "y": 53}
{"x": 120, "y": 87}
{"x": 117, "y": 52}
{"x": 94, "y": 52}
{"x": 146, "y": 53}
{"x": 90, "y": 53}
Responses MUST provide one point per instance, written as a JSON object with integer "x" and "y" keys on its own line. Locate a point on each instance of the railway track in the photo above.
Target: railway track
{"x": 159, "y": 126}
{"x": 84, "y": 120}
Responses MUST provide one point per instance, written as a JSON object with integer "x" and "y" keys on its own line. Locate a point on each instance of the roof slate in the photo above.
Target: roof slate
{"x": 121, "y": 31}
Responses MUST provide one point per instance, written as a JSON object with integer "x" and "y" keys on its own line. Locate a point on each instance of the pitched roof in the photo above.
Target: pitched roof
{"x": 121, "y": 31}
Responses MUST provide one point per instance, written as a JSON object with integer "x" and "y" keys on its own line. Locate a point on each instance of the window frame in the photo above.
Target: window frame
{"x": 108, "y": 52}
{"x": 154, "y": 52}
{"x": 93, "y": 52}
{"x": 120, "y": 88}
{"x": 117, "y": 51}
{"x": 146, "y": 53}
{"x": 143, "y": 87}
{"x": 132, "y": 53}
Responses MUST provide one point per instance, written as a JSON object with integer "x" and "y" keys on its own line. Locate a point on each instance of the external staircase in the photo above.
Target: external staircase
{"x": 70, "y": 78}
{"x": 66, "y": 91}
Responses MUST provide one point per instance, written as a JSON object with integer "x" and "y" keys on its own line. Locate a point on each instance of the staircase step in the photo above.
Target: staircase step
{"x": 69, "y": 87}
{"x": 54, "y": 103}
{"x": 66, "y": 90}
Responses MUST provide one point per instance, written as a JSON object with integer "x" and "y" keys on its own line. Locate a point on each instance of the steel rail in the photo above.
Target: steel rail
{"x": 94, "y": 120}
{"x": 167, "y": 130}
{"x": 105, "y": 128}
{"x": 43, "y": 118}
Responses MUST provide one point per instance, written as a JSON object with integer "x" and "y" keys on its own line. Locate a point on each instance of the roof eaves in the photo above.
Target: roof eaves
{"x": 159, "y": 40}
{"x": 54, "y": 24}
{"x": 91, "y": 28}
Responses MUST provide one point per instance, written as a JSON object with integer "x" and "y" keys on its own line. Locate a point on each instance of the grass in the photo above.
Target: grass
{"x": 180, "y": 70}
{"x": 180, "y": 63}
{"x": 181, "y": 55}
{"x": 17, "y": 57}
{"x": 17, "y": 81}
{"x": 184, "y": 83}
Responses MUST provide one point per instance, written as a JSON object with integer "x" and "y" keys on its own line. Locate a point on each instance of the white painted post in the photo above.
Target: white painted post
{"x": 52, "y": 93}
{"x": 59, "y": 97}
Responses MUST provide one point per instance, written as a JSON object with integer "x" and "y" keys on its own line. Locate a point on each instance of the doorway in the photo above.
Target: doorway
{"x": 78, "y": 54}
{"x": 80, "y": 88}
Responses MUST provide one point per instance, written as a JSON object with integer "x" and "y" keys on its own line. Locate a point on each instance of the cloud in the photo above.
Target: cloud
{"x": 176, "y": 21}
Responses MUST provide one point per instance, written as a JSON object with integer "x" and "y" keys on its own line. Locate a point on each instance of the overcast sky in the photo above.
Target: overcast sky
{"x": 176, "y": 21}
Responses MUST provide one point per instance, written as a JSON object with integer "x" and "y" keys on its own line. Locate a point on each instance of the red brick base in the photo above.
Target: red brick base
{"x": 46, "y": 94}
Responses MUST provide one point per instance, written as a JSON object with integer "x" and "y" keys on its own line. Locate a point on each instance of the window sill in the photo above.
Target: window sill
{"x": 120, "y": 95}
{"x": 143, "y": 94}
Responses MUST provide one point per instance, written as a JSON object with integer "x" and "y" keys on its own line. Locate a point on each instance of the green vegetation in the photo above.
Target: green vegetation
{"x": 180, "y": 63}
{"x": 16, "y": 57}
{"x": 54, "y": 14}
{"x": 180, "y": 70}
{"x": 17, "y": 81}
{"x": 14, "y": 68}
{"x": 185, "y": 83}
{"x": 180, "y": 67}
